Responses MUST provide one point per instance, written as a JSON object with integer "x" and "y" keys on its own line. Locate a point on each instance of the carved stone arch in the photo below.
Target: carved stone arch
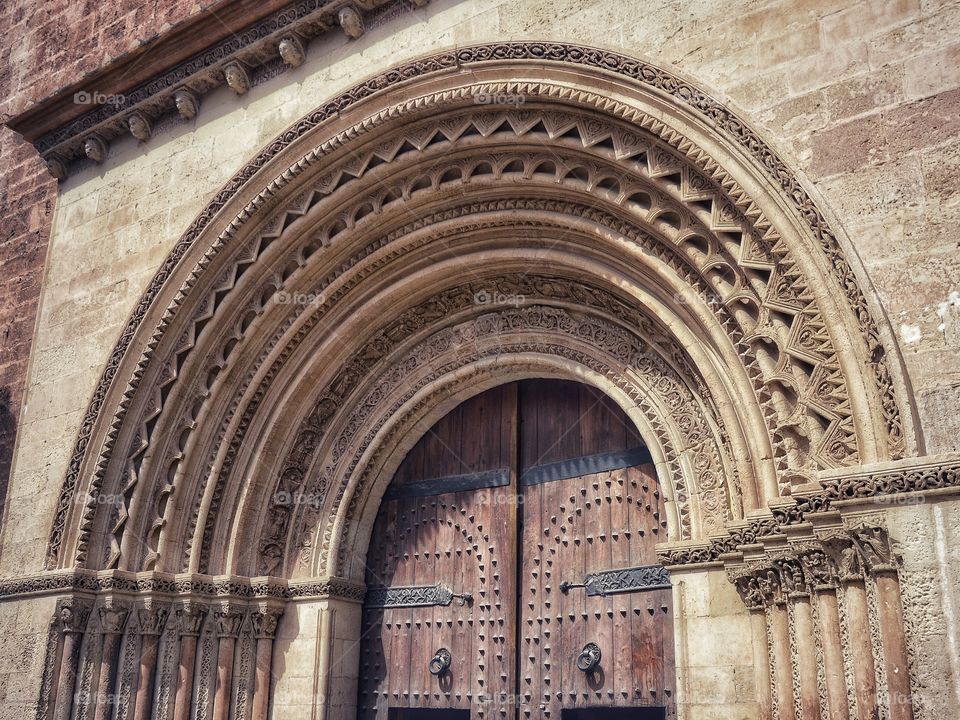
{"x": 649, "y": 389}
{"x": 453, "y": 303}
{"x": 739, "y": 228}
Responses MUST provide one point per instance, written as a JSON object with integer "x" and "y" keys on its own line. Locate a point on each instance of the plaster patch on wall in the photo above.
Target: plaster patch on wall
{"x": 951, "y": 304}
{"x": 910, "y": 333}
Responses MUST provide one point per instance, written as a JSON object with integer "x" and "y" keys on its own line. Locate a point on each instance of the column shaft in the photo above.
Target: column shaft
{"x": 858, "y": 622}
{"x": 833, "y": 655}
{"x": 806, "y": 658}
{"x": 761, "y": 658}
{"x": 780, "y": 635}
{"x": 894, "y": 646}
{"x": 145, "y": 682}
{"x": 108, "y": 673}
{"x": 261, "y": 686}
{"x": 222, "y": 696}
{"x": 184, "y": 694}
{"x": 67, "y": 677}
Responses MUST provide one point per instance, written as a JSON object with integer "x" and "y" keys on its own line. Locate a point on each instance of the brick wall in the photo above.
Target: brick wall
{"x": 27, "y": 195}
{"x": 44, "y": 47}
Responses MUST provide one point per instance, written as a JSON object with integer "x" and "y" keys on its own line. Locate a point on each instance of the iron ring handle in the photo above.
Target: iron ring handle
{"x": 589, "y": 658}
{"x": 440, "y": 662}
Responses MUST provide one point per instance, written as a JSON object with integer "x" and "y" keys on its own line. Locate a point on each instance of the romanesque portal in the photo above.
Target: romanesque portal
{"x": 518, "y": 381}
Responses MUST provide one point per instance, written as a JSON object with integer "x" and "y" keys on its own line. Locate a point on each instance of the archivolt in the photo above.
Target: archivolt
{"x": 644, "y": 210}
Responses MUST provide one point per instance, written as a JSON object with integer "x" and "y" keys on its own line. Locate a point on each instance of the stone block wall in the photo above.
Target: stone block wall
{"x": 861, "y": 97}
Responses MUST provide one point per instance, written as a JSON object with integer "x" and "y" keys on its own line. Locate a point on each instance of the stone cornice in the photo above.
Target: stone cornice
{"x": 879, "y": 483}
{"x": 199, "y": 587}
{"x": 187, "y": 71}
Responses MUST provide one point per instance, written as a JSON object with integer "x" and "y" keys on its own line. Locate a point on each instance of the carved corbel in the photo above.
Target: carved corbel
{"x": 292, "y": 51}
{"x": 57, "y": 167}
{"x": 351, "y": 21}
{"x": 95, "y": 148}
{"x": 237, "y": 77}
{"x": 139, "y": 126}
{"x": 187, "y": 103}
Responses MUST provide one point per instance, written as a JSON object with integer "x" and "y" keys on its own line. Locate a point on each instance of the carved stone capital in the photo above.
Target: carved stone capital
{"x": 748, "y": 586}
{"x": 845, "y": 556}
{"x": 229, "y": 621}
{"x": 190, "y": 617}
{"x": 237, "y": 77}
{"x": 113, "y": 617}
{"x": 819, "y": 568}
{"x": 72, "y": 614}
{"x": 265, "y": 622}
{"x": 151, "y": 618}
{"x": 792, "y": 579}
{"x": 875, "y": 548}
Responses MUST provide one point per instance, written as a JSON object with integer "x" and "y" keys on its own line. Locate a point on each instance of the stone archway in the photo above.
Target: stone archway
{"x": 480, "y": 215}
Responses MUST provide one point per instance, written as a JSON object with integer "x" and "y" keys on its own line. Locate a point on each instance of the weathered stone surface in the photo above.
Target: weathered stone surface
{"x": 861, "y": 97}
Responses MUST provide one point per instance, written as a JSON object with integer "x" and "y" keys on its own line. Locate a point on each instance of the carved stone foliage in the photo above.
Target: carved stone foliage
{"x": 648, "y": 184}
{"x": 857, "y": 485}
{"x": 820, "y": 563}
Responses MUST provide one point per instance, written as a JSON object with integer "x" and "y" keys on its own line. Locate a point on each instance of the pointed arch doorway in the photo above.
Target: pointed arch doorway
{"x": 512, "y": 569}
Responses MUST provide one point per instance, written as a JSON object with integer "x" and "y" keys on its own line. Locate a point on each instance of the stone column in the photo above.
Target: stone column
{"x": 264, "y": 620}
{"x": 745, "y": 580}
{"x": 796, "y": 589}
{"x": 113, "y": 618}
{"x": 72, "y": 614}
{"x": 850, "y": 574}
{"x": 874, "y": 546}
{"x": 771, "y": 590}
{"x": 151, "y": 618}
{"x": 780, "y": 641}
{"x": 821, "y": 575}
{"x": 229, "y": 620}
{"x": 190, "y": 617}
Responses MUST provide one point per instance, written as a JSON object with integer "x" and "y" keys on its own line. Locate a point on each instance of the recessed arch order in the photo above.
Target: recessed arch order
{"x": 465, "y": 219}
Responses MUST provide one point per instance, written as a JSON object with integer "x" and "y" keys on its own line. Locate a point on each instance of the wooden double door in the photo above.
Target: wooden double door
{"x": 512, "y": 571}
